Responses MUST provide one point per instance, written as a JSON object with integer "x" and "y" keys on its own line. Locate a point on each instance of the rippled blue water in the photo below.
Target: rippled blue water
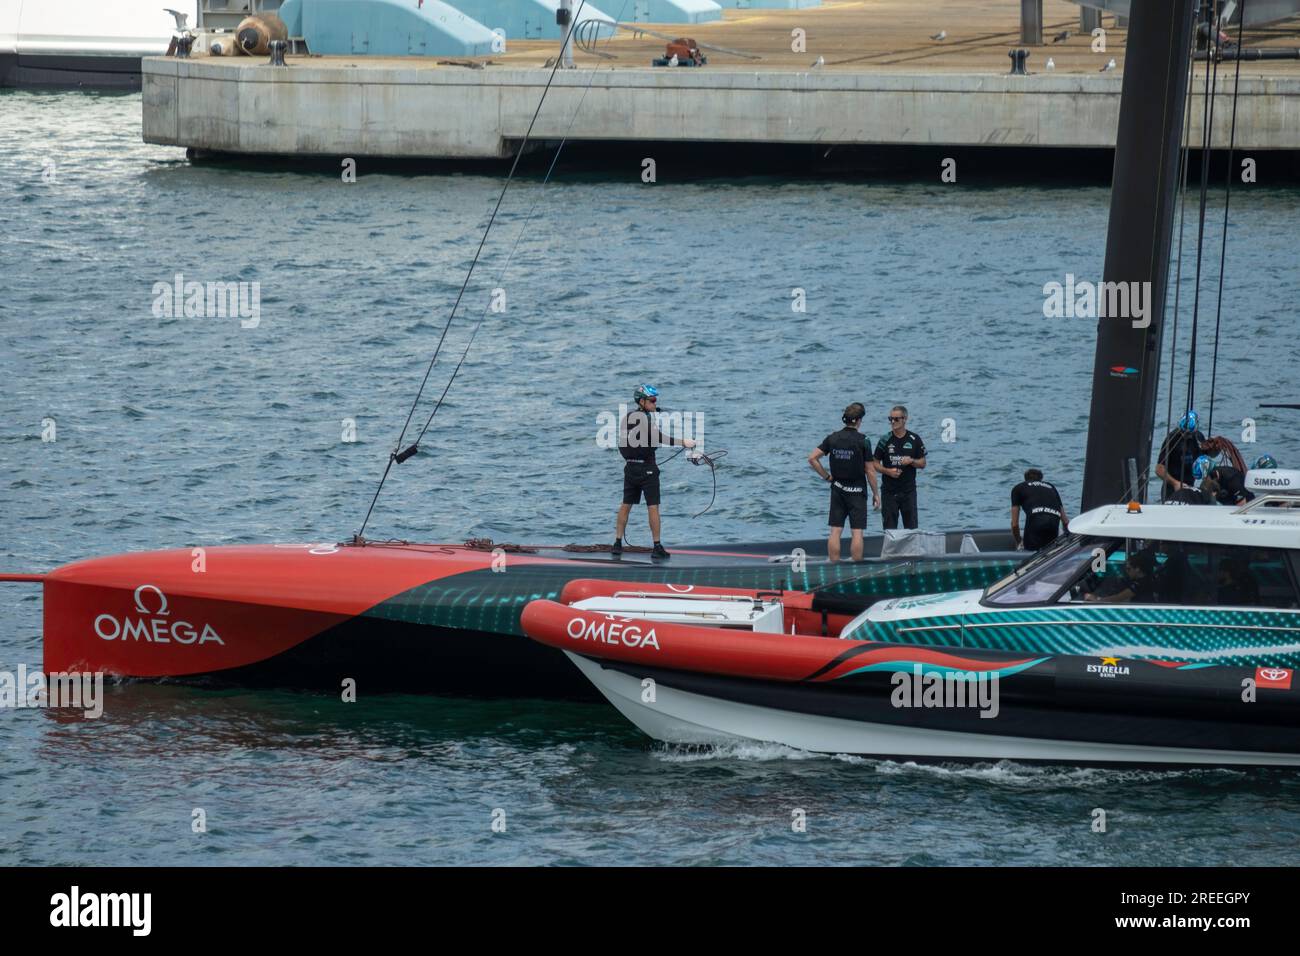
{"x": 186, "y": 431}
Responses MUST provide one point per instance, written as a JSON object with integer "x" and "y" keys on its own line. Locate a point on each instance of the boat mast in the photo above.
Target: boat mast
{"x": 1143, "y": 196}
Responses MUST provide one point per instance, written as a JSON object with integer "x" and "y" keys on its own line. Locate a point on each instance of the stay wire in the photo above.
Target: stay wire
{"x": 1182, "y": 220}
{"x": 1227, "y": 199}
{"x": 1207, "y": 140}
{"x": 394, "y": 456}
{"x": 533, "y": 209}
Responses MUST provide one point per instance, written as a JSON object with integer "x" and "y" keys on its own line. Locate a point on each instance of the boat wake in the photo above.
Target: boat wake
{"x": 1014, "y": 774}
{"x": 751, "y": 750}
{"x": 1006, "y": 773}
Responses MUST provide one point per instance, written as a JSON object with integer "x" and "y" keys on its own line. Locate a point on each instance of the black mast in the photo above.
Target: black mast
{"x": 1142, "y": 204}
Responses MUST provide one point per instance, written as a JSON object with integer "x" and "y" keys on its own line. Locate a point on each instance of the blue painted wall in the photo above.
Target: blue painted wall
{"x": 527, "y": 19}
{"x": 387, "y": 28}
{"x": 770, "y": 4}
{"x": 668, "y": 11}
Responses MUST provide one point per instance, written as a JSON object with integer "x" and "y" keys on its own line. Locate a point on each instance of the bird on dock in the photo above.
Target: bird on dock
{"x": 941, "y": 35}
{"x": 1108, "y": 67}
{"x": 1062, "y": 36}
{"x": 819, "y": 63}
{"x": 182, "y": 19}
{"x": 1051, "y": 64}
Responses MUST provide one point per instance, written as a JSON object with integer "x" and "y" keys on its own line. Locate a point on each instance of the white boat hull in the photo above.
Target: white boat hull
{"x": 682, "y": 717}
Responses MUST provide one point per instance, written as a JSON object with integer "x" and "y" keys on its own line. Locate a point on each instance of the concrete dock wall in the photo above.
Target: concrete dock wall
{"x": 400, "y": 109}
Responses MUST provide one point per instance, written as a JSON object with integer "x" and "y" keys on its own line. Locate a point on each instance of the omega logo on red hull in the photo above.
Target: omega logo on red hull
{"x": 153, "y": 626}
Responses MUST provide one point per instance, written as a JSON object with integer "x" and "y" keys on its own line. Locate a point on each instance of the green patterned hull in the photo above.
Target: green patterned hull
{"x": 1205, "y": 635}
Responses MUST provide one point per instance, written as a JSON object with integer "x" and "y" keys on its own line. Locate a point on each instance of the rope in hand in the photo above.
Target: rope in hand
{"x": 702, "y": 459}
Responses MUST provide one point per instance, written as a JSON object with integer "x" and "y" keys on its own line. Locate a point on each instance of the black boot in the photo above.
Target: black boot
{"x": 659, "y": 552}
{"x": 617, "y": 549}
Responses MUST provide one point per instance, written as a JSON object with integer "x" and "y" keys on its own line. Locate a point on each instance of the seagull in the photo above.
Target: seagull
{"x": 673, "y": 61}
{"x": 819, "y": 62}
{"x": 181, "y": 18}
{"x": 1051, "y": 64}
{"x": 1108, "y": 67}
{"x": 1062, "y": 36}
{"x": 941, "y": 35}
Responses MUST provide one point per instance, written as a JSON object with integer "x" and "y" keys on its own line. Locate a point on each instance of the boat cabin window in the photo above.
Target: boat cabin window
{"x": 1041, "y": 579}
{"x": 1135, "y": 571}
{"x": 1190, "y": 574}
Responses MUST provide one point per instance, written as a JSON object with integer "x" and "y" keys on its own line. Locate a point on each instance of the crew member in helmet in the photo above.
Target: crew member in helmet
{"x": 1188, "y": 494}
{"x": 1223, "y": 482}
{"x": 638, "y": 436}
{"x": 851, "y": 462}
{"x": 1178, "y": 454}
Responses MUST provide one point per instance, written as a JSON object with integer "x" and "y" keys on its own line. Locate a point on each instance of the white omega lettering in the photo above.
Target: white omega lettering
{"x": 152, "y": 625}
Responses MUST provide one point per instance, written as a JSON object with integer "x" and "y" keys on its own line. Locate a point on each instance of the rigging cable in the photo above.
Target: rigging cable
{"x": 711, "y": 459}
{"x": 1182, "y": 220}
{"x": 1207, "y": 139}
{"x": 398, "y": 455}
{"x": 546, "y": 179}
{"x": 1227, "y": 198}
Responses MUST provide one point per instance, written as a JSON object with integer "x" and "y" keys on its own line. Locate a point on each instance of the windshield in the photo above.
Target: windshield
{"x": 1029, "y": 567}
{"x": 1041, "y": 579}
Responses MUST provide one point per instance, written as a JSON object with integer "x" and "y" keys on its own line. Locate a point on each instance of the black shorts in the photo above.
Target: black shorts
{"x": 848, "y": 504}
{"x": 1039, "y": 534}
{"x": 640, "y": 478}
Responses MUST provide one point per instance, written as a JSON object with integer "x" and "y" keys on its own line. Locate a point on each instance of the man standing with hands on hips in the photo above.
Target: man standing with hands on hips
{"x": 850, "y": 456}
{"x": 900, "y": 453}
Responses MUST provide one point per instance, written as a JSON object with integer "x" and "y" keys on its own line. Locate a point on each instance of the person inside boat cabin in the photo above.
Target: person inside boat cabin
{"x": 638, "y": 436}
{"x": 1235, "y": 584}
{"x": 851, "y": 463}
{"x": 899, "y": 454}
{"x": 1137, "y": 583}
{"x": 1045, "y": 515}
{"x": 1178, "y": 455}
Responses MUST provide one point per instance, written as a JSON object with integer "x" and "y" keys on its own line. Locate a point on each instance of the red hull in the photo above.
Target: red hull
{"x": 154, "y": 614}
{"x": 395, "y": 616}
{"x": 712, "y": 650}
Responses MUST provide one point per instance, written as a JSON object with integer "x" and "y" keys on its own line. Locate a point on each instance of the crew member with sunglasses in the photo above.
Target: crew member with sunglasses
{"x": 638, "y": 436}
{"x": 900, "y": 453}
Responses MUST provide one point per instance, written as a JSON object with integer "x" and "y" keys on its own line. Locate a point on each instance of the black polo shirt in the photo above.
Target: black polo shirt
{"x": 848, "y": 449}
{"x": 889, "y": 450}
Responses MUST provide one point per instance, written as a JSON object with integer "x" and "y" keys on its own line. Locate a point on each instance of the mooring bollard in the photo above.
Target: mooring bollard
{"x": 183, "y": 44}
{"x": 277, "y": 52}
{"x": 1018, "y": 58}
